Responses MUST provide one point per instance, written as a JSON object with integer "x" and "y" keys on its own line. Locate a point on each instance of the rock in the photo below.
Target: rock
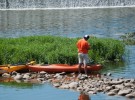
{"x": 108, "y": 88}
{"x": 114, "y": 90}
{"x": 62, "y": 73}
{"x": 26, "y": 76}
{"x": 126, "y": 80}
{"x": 99, "y": 90}
{"x": 104, "y": 74}
{"x": 124, "y": 92}
{"x": 64, "y": 86}
{"x": 83, "y": 77}
{"x": 91, "y": 92}
{"x": 130, "y": 95}
{"x": 109, "y": 74}
{"x": 108, "y": 85}
{"x": 128, "y": 84}
{"x": 18, "y": 81}
{"x": 40, "y": 79}
{"x": 18, "y": 77}
{"x": 6, "y": 75}
{"x": 56, "y": 84}
{"x": 111, "y": 93}
{"x": 79, "y": 88}
{"x": 121, "y": 86}
{"x": 42, "y": 72}
{"x": 115, "y": 82}
{"x": 14, "y": 73}
{"x": 132, "y": 81}
{"x": 73, "y": 85}
{"x": 58, "y": 76}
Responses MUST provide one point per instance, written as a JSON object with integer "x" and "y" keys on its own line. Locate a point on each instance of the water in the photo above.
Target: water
{"x": 105, "y": 22}
{"x": 126, "y": 69}
{"x": 47, "y": 92}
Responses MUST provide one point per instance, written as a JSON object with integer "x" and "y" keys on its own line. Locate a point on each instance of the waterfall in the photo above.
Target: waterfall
{"x": 14, "y": 4}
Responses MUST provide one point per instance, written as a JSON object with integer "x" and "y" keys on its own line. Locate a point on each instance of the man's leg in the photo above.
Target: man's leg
{"x": 80, "y": 59}
{"x": 85, "y": 69}
{"x": 86, "y": 61}
{"x": 79, "y": 68}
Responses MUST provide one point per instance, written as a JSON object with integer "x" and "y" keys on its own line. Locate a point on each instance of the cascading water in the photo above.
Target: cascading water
{"x": 20, "y": 4}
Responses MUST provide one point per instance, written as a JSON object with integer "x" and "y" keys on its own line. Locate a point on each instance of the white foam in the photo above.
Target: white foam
{"x": 95, "y": 7}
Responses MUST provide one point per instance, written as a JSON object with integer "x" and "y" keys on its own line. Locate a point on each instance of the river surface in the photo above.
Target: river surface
{"x": 103, "y": 22}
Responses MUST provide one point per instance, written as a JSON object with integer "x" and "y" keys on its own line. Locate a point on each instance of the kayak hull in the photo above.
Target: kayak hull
{"x": 12, "y": 68}
{"x": 62, "y": 68}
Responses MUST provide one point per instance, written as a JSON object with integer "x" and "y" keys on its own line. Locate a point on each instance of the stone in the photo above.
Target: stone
{"x": 73, "y": 85}
{"x": 6, "y": 75}
{"x": 18, "y": 77}
{"x": 130, "y": 95}
{"x": 124, "y": 92}
{"x": 111, "y": 93}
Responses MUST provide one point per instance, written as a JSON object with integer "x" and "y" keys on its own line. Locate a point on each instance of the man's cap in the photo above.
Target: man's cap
{"x": 86, "y": 36}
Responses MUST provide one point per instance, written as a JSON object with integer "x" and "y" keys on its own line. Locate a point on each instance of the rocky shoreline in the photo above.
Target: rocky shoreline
{"x": 91, "y": 84}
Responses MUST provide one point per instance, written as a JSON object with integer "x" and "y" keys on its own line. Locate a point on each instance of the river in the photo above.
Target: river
{"x": 103, "y": 22}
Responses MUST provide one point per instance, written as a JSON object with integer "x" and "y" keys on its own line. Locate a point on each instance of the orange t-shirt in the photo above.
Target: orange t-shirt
{"x": 83, "y": 46}
{"x": 83, "y": 97}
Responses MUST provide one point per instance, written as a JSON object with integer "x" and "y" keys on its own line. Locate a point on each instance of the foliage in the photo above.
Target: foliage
{"x": 52, "y": 49}
{"x": 129, "y": 38}
{"x": 106, "y": 49}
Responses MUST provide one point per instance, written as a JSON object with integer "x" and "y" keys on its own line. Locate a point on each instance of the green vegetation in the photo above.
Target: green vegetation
{"x": 51, "y": 49}
{"x": 129, "y": 38}
{"x": 106, "y": 49}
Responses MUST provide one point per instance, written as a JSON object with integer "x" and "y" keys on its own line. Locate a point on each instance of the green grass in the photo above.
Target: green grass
{"x": 52, "y": 49}
{"x": 106, "y": 49}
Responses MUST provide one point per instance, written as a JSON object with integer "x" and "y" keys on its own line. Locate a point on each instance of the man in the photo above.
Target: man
{"x": 83, "y": 47}
{"x": 83, "y": 96}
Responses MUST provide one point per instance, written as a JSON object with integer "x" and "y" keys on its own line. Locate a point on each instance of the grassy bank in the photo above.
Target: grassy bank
{"x": 48, "y": 49}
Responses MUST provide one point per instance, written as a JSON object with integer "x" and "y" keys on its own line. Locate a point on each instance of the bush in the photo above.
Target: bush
{"x": 52, "y": 49}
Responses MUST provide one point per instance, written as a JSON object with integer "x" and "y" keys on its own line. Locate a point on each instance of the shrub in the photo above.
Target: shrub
{"x": 52, "y": 49}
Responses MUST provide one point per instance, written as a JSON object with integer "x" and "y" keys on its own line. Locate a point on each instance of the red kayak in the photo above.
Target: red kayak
{"x": 62, "y": 68}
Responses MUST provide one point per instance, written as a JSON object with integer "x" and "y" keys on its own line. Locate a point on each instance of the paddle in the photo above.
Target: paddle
{"x": 31, "y": 63}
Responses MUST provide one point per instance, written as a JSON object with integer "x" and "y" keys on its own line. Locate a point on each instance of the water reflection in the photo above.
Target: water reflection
{"x": 3, "y": 79}
{"x": 10, "y": 82}
{"x": 84, "y": 96}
